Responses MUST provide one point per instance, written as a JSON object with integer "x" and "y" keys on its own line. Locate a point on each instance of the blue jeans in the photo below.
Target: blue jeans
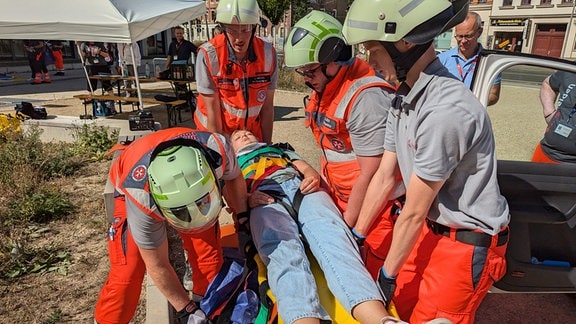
{"x": 276, "y": 236}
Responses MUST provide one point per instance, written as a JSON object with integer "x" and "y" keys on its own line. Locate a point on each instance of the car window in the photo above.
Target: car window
{"x": 517, "y": 118}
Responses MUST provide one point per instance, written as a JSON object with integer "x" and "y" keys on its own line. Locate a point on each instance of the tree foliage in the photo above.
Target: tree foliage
{"x": 274, "y": 9}
{"x": 299, "y": 10}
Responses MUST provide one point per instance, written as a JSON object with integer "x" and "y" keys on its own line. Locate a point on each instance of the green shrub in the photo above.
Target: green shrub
{"x": 94, "y": 141}
{"x": 41, "y": 204}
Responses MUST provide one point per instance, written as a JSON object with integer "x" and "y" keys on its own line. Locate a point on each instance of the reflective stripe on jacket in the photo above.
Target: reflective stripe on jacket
{"x": 242, "y": 94}
{"x": 327, "y": 115}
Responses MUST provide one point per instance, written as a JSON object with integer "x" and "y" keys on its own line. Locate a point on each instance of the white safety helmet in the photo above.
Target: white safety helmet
{"x": 183, "y": 185}
{"x": 238, "y": 12}
{"x": 417, "y": 22}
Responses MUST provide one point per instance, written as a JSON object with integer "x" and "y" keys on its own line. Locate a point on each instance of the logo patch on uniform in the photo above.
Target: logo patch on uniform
{"x": 261, "y": 95}
{"x": 337, "y": 144}
{"x": 139, "y": 173}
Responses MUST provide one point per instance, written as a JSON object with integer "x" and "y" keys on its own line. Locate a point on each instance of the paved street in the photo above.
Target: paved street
{"x": 518, "y": 124}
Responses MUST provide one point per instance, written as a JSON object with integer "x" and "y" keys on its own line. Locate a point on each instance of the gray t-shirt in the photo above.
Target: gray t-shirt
{"x": 559, "y": 140}
{"x": 442, "y": 132}
{"x": 367, "y": 121}
{"x": 149, "y": 233}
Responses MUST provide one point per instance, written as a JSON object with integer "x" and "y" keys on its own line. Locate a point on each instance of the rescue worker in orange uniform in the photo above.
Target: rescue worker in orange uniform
{"x": 170, "y": 177}
{"x": 347, "y": 114}
{"x": 451, "y": 236}
{"x": 236, "y": 75}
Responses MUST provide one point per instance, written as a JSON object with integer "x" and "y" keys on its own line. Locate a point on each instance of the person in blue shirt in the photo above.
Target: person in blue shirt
{"x": 461, "y": 60}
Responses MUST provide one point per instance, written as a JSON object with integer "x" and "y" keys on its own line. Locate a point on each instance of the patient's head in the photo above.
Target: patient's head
{"x": 241, "y": 138}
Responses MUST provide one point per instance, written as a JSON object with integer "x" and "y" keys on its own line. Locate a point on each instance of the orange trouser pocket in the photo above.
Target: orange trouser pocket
{"x": 120, "y": 294}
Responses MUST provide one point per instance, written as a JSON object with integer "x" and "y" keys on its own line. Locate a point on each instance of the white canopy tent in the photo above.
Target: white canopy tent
{"x": 115, "y": 21}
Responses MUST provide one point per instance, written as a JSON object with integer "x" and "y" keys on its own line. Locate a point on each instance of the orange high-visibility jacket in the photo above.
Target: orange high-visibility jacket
{"x": 327, "y": 120}
{"x": 242, "y": 94}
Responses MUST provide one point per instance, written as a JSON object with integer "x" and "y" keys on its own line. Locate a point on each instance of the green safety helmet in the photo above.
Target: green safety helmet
{"x": 238, "y": 12}
{"x": 316, "y": 38}
{"x": 417, "y": 22}
{"x": 183, "y": 185}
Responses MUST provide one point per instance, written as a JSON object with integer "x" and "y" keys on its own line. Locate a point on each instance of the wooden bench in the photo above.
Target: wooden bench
{"x": 173, "y": 108}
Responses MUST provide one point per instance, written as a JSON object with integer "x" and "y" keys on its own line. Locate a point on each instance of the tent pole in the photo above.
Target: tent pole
{"x": 140, "y": 107}
{"x": 86, "y": 115}
{"x": 84, "y": 67}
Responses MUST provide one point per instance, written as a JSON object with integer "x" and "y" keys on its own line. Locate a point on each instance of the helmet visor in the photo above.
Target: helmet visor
{"x": 193, "y": 217}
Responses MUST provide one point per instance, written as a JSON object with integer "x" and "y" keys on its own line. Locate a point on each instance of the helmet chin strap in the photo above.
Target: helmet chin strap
{"x": 403, "y": 62}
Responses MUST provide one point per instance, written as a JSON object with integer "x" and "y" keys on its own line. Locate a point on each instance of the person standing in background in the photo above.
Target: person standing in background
{"x": 57, "y": 53}
{"x": 461, "y": 60}
{"x": 96, "y": 59}
{"x": 180, "y": 49}
{"x": 126, "y": 62}
{"x": 35, "y": 53}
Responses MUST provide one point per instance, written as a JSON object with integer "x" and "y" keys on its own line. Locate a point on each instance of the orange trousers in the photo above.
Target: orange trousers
{"x": 446, "y": 278}
{"x": 120, "y": 294}
{"x": 58, "y": 60}
{"x": 540, "y": 156}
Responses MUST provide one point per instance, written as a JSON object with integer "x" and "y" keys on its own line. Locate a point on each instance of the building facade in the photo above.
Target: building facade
{"x": 542, "y": 27}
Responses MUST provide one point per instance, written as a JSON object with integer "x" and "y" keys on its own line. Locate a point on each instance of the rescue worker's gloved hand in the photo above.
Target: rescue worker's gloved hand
{"x": 387, "y": 285}
{"x": 243, "y": 231}
{"x": 359, "y": 238}
{"x": 192, "y": 314}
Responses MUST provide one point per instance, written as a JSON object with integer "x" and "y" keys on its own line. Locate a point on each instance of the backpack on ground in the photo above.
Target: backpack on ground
{"x": 29, "y": 110}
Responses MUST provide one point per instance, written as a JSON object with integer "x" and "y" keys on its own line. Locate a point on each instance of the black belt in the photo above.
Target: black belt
{"x": 468, "y": 236}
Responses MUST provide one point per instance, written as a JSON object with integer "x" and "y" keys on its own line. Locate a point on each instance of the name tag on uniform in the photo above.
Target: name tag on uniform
{"x": 563, "y": 130}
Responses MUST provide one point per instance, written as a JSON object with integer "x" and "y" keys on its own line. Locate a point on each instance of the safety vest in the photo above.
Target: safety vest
{"x": 242, "y": 94}
{"x": 129, "y": 171}
{"x": 326, "y": 116}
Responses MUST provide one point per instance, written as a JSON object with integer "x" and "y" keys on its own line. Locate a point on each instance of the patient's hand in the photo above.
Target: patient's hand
{"x": 258, "y": 198}
{"x": 310, "y": 184}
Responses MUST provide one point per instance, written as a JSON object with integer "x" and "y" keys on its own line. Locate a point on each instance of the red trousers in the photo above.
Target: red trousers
{"x": 446, "y": 278}
{"x": 120, "y": 294}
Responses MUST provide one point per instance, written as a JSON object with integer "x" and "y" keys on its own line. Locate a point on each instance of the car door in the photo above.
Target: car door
{"x": 541, "y": 253}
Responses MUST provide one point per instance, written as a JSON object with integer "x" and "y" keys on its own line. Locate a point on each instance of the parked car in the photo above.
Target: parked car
{"x": 541, "y": 253}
